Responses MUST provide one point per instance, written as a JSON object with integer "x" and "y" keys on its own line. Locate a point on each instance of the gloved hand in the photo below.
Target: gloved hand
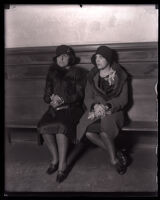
{"x": 56, "y": 100}
{"x": 91, "y": 115}
{"x": 99, "y": 110}
{"x": 107, "y": 109}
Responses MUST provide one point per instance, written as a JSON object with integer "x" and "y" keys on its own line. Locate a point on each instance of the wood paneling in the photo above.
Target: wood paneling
{"x": 144, "y": 87}
{"x": 85, "y": 57}
{"x": 24, "y": 101}
{"x": 143, "y": 109}
{"x": 21, "y": 108}
{"x": 26, "y": 69}
{"x": 138, "y": 70}
{"x": 35, "y": 87}
{"x": 126, "y": 52}
{"x": 84, "y": 48}
{"x": 139, "y": 59}
{"x": 31, "y": 88}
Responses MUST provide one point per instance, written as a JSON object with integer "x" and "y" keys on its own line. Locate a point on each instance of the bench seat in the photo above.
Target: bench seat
{"x": 134, "y": 126}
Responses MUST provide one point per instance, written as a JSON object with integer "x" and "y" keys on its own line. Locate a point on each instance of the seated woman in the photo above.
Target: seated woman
{"x": 64, "y": 92}
{"x": 106, "y": 95}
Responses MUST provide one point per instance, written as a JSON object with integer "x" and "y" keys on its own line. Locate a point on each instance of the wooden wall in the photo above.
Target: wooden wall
{"x": 26, "y": 69}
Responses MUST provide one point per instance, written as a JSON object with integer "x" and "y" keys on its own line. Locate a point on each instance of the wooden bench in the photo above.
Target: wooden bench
{"x": 26, "y": 69}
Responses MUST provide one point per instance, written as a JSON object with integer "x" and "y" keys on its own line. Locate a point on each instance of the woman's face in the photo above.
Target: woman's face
{"x": 101, "y": 62}
{"x": 63, "y": 60}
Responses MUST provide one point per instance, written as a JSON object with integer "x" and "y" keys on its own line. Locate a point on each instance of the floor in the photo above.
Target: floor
{"x": 26, "y": 164}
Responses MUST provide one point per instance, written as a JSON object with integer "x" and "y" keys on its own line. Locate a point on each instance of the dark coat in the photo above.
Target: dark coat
{"x": 115, "y": 95}
{"x": 68, "y": 84}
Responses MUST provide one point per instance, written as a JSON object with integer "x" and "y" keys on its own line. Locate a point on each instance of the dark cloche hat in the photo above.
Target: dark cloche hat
{"x": 105, "y": 51}
{"x": 64, "y": 49}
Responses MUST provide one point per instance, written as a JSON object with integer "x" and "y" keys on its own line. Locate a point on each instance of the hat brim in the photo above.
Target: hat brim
{"x": 93, "y": 59}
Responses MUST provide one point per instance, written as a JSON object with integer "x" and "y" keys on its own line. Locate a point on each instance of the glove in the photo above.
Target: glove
{"x": 108, "y": 106}
{"x": 91, "y": 115}
{"x": 99, "y": 110}
{"x": 56, "y": 100}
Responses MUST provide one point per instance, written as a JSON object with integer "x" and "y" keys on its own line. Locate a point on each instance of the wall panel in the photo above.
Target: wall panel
{"x": 26, "y": 70}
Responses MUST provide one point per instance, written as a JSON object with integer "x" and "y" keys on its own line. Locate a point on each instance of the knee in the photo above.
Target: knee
{"x": 105, "y": 135}
{"x": 89, "y": 135}
{"x": 48, "y": 137}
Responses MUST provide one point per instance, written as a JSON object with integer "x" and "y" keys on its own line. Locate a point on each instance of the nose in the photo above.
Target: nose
{"x": 97, "y": 60}
{"x": 62, "y": 58}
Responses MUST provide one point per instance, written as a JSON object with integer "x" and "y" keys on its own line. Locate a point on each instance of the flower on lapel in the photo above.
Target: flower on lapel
{"x": 111, "y": 77}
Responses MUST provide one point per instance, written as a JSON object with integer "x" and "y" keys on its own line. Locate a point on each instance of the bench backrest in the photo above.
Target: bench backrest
{"x": 26, "y": 69}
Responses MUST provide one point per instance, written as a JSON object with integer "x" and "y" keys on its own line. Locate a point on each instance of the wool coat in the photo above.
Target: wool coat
{"x": 115, "y": 95}
{"x": 68, "y": 84}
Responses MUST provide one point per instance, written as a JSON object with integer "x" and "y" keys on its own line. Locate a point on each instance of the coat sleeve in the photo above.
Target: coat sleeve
{"x": 48, "y": 88}
{"x": 120, "y": 101}
{"x": 90, "y": 98}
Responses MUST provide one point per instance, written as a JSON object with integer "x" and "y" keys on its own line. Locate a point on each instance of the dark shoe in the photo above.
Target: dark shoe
{"x": 52, "y": 168}
{"x": 61, "y": 176}
{"x": 121, "y": 169}
{"x": 121, "y": 165}
{"x": 127, "y": 157}
{"x": 122, "y": 157}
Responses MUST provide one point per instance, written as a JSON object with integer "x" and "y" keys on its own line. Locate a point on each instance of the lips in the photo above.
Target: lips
{"x": 99, "y": 66}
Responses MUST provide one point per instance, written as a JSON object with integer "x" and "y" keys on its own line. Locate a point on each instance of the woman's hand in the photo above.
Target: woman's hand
{"x": 56, "y": 101}
{"x": 99, "y": 110}
{"x": 108, "y": 111}
{"x": 54, "y": 104}
{"x": 91, "y": 115}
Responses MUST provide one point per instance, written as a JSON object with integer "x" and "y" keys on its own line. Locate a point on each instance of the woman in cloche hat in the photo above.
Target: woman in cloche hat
{"x": 64, "y": 92}
{"x": 106, "y": 95}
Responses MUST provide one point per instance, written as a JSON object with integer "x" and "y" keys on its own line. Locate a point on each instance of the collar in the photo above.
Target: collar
{"x": 106, "y": 73}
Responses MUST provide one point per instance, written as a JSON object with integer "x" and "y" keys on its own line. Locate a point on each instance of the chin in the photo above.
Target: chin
{"x": 100, "y": 67}
{"x": 62, "y": 66}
